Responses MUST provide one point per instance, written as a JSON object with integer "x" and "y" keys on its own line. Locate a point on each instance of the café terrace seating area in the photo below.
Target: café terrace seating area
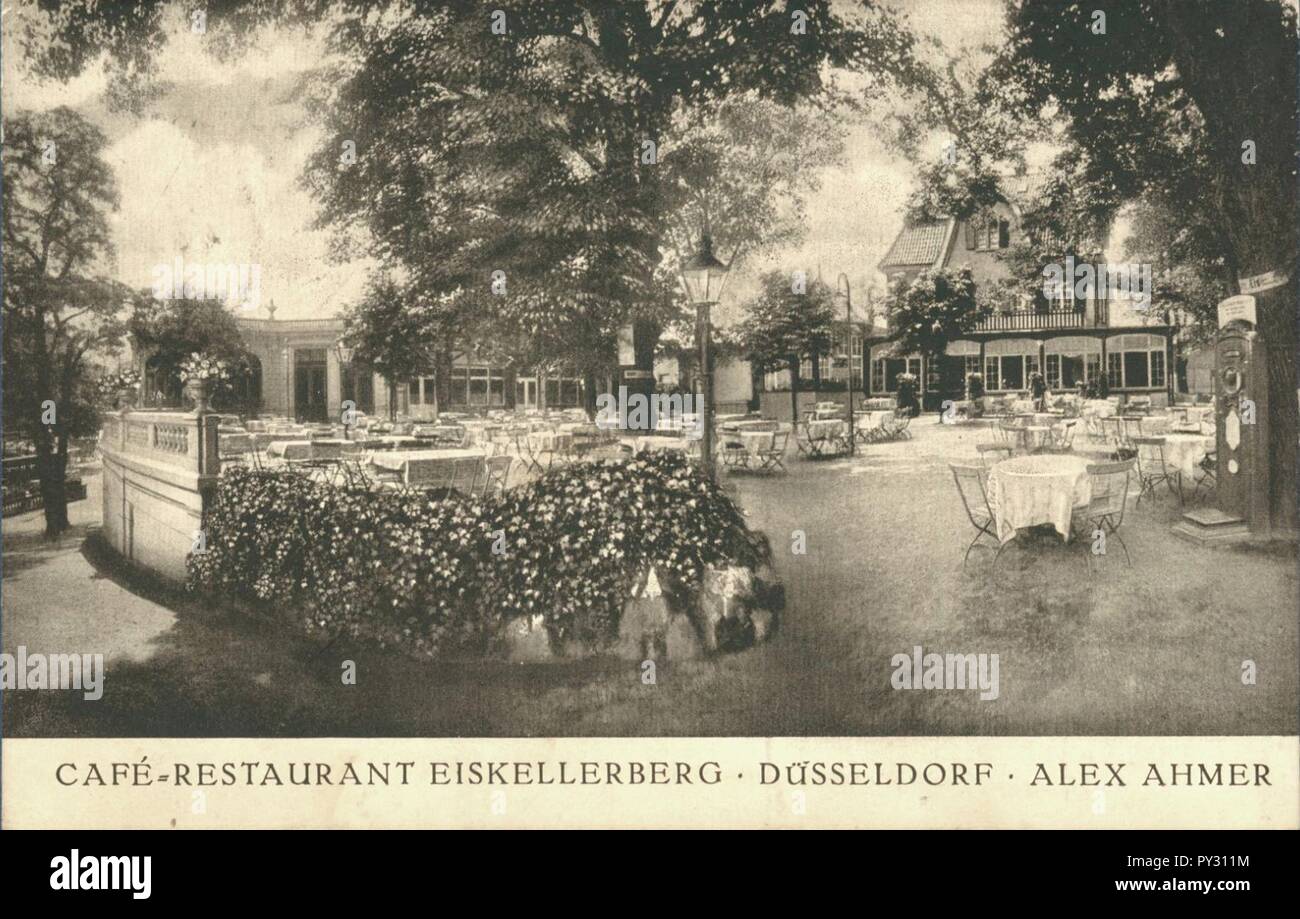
{"x": 1078, "y": 467}
{"x": 1066, "y": 464}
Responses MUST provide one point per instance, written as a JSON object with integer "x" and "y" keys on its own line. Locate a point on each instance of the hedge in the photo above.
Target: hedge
{"x": 441, "y": 576}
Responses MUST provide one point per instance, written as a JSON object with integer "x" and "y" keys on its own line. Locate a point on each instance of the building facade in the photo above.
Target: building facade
{"x": 1103, "y": 340}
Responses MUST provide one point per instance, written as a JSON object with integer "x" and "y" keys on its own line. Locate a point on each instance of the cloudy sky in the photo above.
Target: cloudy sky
{"x": 212, "y": 169}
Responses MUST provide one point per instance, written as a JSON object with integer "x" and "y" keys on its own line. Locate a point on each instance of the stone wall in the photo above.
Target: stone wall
{"x": 158, "y": 466}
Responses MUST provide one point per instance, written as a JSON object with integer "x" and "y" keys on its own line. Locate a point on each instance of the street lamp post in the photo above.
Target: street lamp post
{"x": 703, "y": 276}
{"x": 344, "y": 352}
{"x": 848, "y": 348}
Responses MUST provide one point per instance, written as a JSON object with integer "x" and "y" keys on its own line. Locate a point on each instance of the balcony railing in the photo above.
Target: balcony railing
{"x": 1029, "y": 320}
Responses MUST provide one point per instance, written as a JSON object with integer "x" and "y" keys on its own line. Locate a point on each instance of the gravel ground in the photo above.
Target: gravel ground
{"x": 1153, "y": 649}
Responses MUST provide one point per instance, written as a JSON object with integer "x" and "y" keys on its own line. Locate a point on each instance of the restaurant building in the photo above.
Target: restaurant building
{"x": 298, "y": 373}
{"x": 1101, "y": 337}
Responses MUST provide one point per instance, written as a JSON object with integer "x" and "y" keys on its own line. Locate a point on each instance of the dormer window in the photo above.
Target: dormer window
{"x": 987, "y": 232}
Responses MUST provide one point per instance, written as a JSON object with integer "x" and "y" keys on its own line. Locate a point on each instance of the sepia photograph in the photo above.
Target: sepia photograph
{"x": 908, "y": 369}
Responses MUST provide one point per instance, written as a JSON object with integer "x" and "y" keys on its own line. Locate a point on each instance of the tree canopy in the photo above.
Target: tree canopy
{"x": 59, "y": 311}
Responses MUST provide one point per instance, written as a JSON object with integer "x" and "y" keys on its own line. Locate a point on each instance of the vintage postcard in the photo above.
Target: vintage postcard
{"x": 569, "y": 413}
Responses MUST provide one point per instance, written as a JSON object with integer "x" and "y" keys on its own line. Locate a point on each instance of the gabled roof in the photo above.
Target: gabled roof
{"x": 918, "y": 244}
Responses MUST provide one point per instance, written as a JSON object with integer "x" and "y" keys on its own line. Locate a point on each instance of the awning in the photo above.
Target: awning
{"x": 1135, "y": 343}
{"x": 1011, "y": 346}
{"x": 1072, "y": 344}
{"x": 962, "y": 348}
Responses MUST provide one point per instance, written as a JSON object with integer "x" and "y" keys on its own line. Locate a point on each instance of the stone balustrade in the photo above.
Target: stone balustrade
{"x": 159, "y": 468}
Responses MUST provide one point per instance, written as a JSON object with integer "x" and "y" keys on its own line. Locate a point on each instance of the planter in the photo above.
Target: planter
{"x": 200, "y": 391}
{"x": 125, "y": 399}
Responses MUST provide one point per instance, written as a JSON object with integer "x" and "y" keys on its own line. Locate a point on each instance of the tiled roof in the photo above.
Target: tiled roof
{"x": 917, "y": 244}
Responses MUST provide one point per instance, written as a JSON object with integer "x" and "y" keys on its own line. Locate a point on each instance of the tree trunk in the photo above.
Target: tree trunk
{"x": 51, "y": 468}
{"x": 794, "y": 388}
{"x": 589, "y": 394}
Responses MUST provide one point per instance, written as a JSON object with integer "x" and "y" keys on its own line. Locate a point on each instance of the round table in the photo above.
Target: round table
{"x": 827, "y": 429}
{"x": 1184, "y": 452}
{"x": 866, "y": 421}
{"x": 1030, "y": 490}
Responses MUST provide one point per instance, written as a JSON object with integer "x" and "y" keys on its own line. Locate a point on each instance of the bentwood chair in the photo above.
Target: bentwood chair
{"x": 1104, "y": 512}
{"x": 972, "y": 486}
{"x": 1154, "y": 470}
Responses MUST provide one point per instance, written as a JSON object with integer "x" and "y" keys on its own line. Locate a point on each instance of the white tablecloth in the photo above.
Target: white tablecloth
{"x": 651, "y": 444}
{"x": 234, "y": 443}
{"x": 755, "y": 442}
{"x": 865, "y": 421}
{"x": 758, "y": 424}
{"x": 423, "y": 466}
{"x": 827, "y": 430}
{"x": 549, "y": 441}
{"x": 1097, "y": 408}
{"x": 1031, "y": 490}
{"x": 290, "y": 449}
{"x": 1184, "y": 453}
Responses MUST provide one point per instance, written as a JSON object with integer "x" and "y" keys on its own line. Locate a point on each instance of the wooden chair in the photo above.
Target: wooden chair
{"x": 991, "y": 453}
{"x": 464, "y": 474}
{"x": 1105, "y": 509}
{"x": 496, "y": 472}
{"x": 1153, "y": 470}
{"x": 972, "y": 486}
{"x": 1116, "y": 434}
{"x": 1061, "y": 440}
{"x": 1208, "y": 479}
{"x": 773, "y": 457}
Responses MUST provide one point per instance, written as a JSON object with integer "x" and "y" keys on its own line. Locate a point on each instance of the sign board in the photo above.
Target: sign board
{"x": 637, "y": 375}
{"x": 1266, "y": 281}
{"x": 1240, "y": 307}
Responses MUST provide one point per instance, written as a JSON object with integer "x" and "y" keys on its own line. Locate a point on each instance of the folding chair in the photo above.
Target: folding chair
{"x": 464, "y": 473}
{"x": 972, "y": 486}
{"x": 774, "y": 456}
{"x": 496, "y": 471}
{"x": 1105, "y": 509}
{"x": 1061, "y": 440}
{"x": 1208, "y": 479}
{"x": 1153, "y": 470}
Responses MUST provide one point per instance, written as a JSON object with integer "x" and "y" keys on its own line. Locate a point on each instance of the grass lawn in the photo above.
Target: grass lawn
{"x": 1153, "y": 649}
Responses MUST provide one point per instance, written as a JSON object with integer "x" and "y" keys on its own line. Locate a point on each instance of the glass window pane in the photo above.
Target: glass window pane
{"x": 1013, "y": 373}
{"x": 1135, "y": 369}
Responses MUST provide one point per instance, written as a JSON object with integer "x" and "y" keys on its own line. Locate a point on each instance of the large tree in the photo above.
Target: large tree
{"x": 170, "y": 331}
{"x": 935, "y": 308}
{"x": 60, "y": 311}
{"x": 789, "y": 319}
{"x": 467, "y": 141}
{"x": 1195, "y": 103}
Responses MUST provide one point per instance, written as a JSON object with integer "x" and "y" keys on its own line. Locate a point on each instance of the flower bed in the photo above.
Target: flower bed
{"x": 444, "y": 576}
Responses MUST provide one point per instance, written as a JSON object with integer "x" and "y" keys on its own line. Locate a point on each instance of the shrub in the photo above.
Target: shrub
{"x": 403, "y": 569}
